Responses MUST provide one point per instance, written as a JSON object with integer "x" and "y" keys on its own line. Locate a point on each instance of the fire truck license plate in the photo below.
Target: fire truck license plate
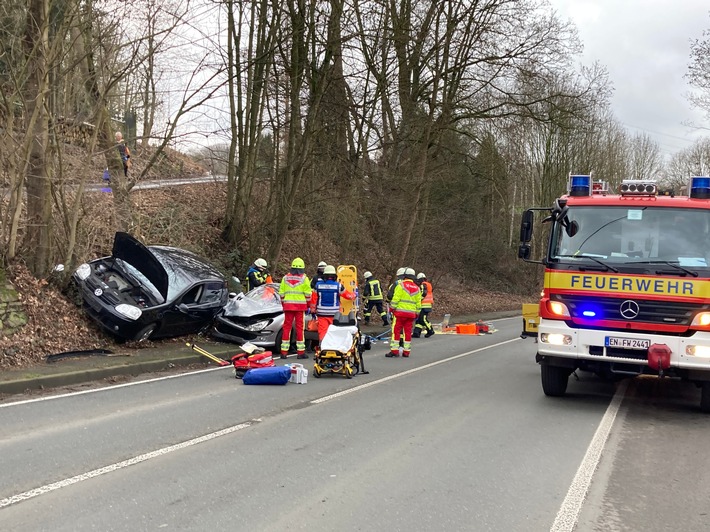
{"x": 626, "y": 343}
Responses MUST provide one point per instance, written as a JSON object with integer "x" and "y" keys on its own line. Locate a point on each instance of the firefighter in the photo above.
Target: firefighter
{"x": 295, "y": 291}
{"x": 427, "y": 302}
{"x": 406, "y": 304}
{"x": 390, "y": 294}
{"x": 390, "y": 289}
{"x": 372, "y": 294}
{"x": 319, "y": 274}
{"x": 325, "y": 301}
{"x": 257, "y": 274}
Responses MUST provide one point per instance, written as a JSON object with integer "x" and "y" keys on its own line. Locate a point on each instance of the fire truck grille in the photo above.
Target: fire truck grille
{"x": 609, "y": 308}
{"x": 617, "y": 352}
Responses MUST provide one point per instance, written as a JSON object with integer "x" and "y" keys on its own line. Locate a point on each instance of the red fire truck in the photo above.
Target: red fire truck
{"x": 627, "y": 283}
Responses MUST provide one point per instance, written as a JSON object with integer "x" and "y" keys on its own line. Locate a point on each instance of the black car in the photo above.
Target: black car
{"x": 144, "y": 292}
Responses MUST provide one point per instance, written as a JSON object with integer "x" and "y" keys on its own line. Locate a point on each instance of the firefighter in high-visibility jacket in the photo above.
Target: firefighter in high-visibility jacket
{"x": 390, "y": 293}
{"x": 295, "y": 291}
{"x": 406, "y": 304}
{"x": 423, "y": 322}
{"x": 372, "y": 294}
{"x": 257, "y": 274}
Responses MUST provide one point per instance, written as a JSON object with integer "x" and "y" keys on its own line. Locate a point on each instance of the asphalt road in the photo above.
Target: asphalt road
{"x": 458, "y": 437}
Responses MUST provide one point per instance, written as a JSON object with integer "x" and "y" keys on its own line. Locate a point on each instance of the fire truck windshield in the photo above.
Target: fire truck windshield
{"x": 638, "y": 235}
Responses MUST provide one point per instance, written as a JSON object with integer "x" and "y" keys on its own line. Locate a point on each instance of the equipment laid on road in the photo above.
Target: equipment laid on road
{"x": 274, "y": 375}
{"x": 253, "y": 357}
{"x": 244, "y": 361}
{"x": 207, "y": 354}
{"x": 299, "y": 374}
{"x": 626, "y": 283}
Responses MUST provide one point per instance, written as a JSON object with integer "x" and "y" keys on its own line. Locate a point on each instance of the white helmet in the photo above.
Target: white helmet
{"x": 421, "y": 275}
{"x": 400, "y": 271}
{"x": 260, "y": 263}
{"x": 409, "y": 272}
{"x": 329, "y": 270}
{"x": 367, "y": 275}
{"x": 322, "y": 264}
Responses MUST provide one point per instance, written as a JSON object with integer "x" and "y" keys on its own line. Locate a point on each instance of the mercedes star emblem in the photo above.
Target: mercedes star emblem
{"x": 629, "y": 309}
{"x": 98, "y": 292}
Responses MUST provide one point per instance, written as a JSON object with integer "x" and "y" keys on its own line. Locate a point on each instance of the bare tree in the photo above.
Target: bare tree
{"x": 455, "y": 63}
{"x": 692, "y": 161}
{"x": 698, "y": 73}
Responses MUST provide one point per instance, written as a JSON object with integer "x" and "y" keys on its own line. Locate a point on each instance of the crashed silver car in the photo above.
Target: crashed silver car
{"x": 255, "y": 317}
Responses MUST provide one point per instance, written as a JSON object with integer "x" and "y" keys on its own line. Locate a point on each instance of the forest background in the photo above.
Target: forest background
{"x": 376, "y": 132}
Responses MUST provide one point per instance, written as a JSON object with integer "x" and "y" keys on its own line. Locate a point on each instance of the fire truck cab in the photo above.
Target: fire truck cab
{"x": 626, "y": 286}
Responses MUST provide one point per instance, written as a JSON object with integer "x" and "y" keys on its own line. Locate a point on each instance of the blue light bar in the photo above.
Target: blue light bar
{"x": 580, "y": 185}
{"x": 589, "y": 313}
{"x": 700, "y": 187}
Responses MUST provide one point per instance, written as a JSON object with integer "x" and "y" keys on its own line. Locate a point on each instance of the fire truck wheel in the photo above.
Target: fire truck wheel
{"x": 705, "y": 397}
{"x": 554, "y": 380}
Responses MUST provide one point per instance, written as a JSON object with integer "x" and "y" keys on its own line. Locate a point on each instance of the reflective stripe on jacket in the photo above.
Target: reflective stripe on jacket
{"x": 255, "y": 278}
{"x": 295, "y": 291}
{"x": 373, "y": 290}
{"x": 428, "y": 299}
{"x": 407, "y": 299}
{"x": 328, "y": 297}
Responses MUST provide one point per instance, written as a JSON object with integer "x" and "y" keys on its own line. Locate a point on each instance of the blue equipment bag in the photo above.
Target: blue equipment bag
{"x": 273, "y": 375}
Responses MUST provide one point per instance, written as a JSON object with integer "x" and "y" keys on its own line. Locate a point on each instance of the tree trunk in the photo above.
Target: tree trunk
{"x": 37, "y": 182}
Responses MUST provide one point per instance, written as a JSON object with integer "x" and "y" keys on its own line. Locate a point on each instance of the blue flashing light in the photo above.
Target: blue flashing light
{"x": 580, "y": 185}
{"x": 700, "y": 187}
{"x": 590, "y": 310}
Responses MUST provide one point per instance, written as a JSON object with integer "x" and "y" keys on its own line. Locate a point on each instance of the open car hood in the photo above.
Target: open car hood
{"x": 129, "y": 250}
{"x": 262, "y": 300}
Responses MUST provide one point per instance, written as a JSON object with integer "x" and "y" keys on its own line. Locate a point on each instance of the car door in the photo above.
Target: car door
{"x": 194, "y": 309}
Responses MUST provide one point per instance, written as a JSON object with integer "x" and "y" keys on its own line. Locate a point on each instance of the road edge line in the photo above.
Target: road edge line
{"x": 568, "y": 514}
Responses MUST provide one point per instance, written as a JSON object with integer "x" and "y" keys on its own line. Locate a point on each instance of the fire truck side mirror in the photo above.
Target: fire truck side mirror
{"x": 524, "y": 251}
{"x": 526, "y": 227}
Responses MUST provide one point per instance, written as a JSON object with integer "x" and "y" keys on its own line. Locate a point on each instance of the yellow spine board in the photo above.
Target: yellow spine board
{"x": 347, "y": 275}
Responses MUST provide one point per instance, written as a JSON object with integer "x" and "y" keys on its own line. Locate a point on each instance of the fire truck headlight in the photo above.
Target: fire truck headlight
{"x": 558, "y": 309}
{"x": 555, "y": 339}
{"x": 701, "y": 319}
{"x": 702, "y": 351}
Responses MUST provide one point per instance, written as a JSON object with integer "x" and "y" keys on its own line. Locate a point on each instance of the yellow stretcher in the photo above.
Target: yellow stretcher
{"x": 347, "y": 275}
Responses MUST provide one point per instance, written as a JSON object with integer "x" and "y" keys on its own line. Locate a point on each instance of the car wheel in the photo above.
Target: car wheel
{"x": 554, "y": 380}
{"x": 146, "y": 332}
{"x": 277, "y": 341}
{"x": 705, "y": 397}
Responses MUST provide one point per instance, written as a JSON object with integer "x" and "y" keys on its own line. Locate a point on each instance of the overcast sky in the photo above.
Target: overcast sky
{"x": 645, "y": 46}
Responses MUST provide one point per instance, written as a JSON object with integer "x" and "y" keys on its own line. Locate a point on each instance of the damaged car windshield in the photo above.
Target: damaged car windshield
{"x": 261, "y": 300}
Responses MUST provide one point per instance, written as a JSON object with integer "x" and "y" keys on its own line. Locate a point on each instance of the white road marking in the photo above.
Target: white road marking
{"x": 14, "y": 499}
{"x": 408, "y": 372}
{"x": 144, "y": 381}
{"x": 568, "y": 514}
{"x": 113, "y": 387}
